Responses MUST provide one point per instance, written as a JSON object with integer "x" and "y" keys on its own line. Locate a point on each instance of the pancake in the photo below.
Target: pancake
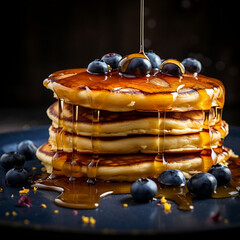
{"x": 157, "y": 92}
{"x": 124, "y": 167}
{"x": 128, "y": 123}
{"x": 63, "y": 140}
{"x": 114, "y": 128}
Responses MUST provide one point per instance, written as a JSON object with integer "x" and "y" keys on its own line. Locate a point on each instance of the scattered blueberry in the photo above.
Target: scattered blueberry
{"x": 172, "y": 177}
{"x": 27, "y": 148}
{"x": 202, "y": 185}
{"x": 143, "y": 190}
{"x": 154, "y": 59}
{"x": 172, "y": 67}
{"x": 11, "y": 159}
{"x": 98, "y": 67}
{"x": 192, "y": 65}
{"x": 17, "y": 176}
{"x": 135, "y": 65}
{"x": 112, "y": 59}
{"x": 222, "y": 173}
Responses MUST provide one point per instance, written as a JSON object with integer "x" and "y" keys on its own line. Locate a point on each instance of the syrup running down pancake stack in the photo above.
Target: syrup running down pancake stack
{"x": 112, "y": 127}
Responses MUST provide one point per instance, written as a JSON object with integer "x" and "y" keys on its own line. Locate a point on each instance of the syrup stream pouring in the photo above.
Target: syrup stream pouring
{"x": 141, "y": 26}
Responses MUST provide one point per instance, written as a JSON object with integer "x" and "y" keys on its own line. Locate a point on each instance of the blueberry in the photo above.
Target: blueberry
{"x": 27, "y": 148}
{"x": 172, "y": 177}
{"x": 98, "y": 67}
{"x": 222, "y": 173}
{"x": 143, "y": 190}
{"x": 17, "y": 176}
{"x": 202, "y": 185}
{"x": 172, "y": 67}
{"x": 192, "y": 65}
{"x": 135, "y": 65}
{"x": 11, "y": 159}
{"x": 112, "y": 59}
{"x": 154, "y": 59}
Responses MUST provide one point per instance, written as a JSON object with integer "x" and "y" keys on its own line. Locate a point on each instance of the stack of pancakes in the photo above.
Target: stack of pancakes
{"x": 115, "y": 128}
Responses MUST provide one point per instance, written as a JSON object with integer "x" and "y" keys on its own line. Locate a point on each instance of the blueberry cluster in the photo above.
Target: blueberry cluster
{"x": 109, "y": 62}
{"x": 13, "y": 163}
{"x": 142, "y": 64}
{"x": 201, "y": 185}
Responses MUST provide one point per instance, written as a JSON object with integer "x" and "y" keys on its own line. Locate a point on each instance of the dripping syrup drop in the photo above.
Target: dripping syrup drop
{"x": 160, "y": 160}
{"x": 141, "y": 27}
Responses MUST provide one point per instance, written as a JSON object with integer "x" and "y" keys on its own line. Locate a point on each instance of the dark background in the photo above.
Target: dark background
{"x": 41, "y": 37}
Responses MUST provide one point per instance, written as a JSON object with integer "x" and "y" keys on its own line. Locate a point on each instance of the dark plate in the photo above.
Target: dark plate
{"x": 111, "y": 217}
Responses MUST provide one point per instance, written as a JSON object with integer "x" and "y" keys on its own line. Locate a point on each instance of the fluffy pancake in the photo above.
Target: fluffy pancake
{"x": 115, "y": 128}
{"x": 127, "y": 123}
{"x": 63, "y": 140}
{"x": 124, "y": 167}
{"x": 154, "y": 93}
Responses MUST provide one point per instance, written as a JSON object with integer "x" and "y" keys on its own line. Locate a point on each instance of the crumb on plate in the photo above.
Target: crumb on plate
{"x": 44, "y": 205}
{"x": 167, "y": 207}
{"x": 163, "y": 200}
{"x": 26, "y": 221}
{"x": 24, "y": 191}
{"x": 14, "y": 213}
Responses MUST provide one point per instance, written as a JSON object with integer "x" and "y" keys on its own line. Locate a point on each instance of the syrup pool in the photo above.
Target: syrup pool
{"x": 81, "y": 194}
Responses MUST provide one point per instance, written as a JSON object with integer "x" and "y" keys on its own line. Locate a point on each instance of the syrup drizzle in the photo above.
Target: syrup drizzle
{"x": 93, "y": 165}
{"x": 160, "y": 157}
{"x": 75, "y": 155}
{"x": 59, "y": 139}
{"x": 141, "y": 26}
{"x": 80, "y": 194}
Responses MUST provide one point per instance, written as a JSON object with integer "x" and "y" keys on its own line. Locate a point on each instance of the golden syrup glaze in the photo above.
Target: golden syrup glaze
{"x": 126, "y": 60}
{"x": 157, "y": 92}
